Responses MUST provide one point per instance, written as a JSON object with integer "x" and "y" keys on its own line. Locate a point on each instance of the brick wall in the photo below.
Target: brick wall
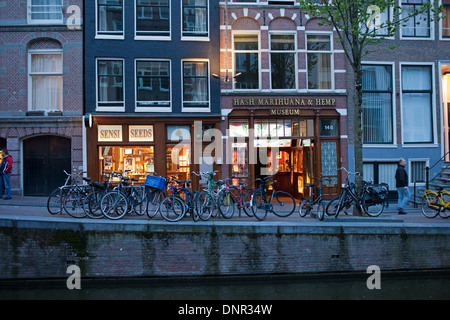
{"x": 38, "y": 249}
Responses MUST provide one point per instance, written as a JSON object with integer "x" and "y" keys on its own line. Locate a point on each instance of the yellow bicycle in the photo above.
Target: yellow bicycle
{"x": 436, "y": 203}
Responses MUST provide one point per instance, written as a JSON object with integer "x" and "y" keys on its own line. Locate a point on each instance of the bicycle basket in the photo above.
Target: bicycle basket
{"x": 155, "y": 182}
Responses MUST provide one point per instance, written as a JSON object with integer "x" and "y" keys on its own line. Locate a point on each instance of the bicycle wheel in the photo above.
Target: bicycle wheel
{"x": 259, "y": 206}
{"x": 431, "y": 205}
{"x": 304, "y": 207}
{"x": 73, "y": 204}
{"x": 373, "y": 210}
{"x": 332, "y": 206}
{"x": 91, "y": 205}
{"x": 283, "y": 204}
{"x": 54, "y": 201}
{"x": 172, "y": 209}
{"x": 321, "y": 210}
{"x": 154, "y": 200}
{"x": 139, "y": 201}
{"x": 247, "y": 203}
{"x": 205, "y": 205}
{"x": 226, "y": 204}
{"x": 114, "y": 205}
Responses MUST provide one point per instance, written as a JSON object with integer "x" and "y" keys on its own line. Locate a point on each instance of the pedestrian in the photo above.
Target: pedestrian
{"x": 401, "y": 183}
{"x": 5, "y": 170}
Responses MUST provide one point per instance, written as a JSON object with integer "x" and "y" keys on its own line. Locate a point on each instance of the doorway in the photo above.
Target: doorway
{"x": 44, "y": 160}
{"x": 294, "y": 166}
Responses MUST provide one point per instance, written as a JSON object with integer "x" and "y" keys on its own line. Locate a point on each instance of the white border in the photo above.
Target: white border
{"x": 155, "y": 108}
{"x": 433, "y": 105}
{"x": 30, "y": 81}
{"x": 109, "y": 108}
{"x": 110, "y": 36}
{"x": 394, "y": 106}
{"x": 183, "y": 109}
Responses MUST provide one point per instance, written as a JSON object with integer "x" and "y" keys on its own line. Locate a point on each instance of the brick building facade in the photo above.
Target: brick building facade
{"x": 283, "y": 75}
{"x": 41, "y": 106}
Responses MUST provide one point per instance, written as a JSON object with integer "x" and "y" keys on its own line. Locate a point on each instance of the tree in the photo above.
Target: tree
{"x": 358, "y": 25}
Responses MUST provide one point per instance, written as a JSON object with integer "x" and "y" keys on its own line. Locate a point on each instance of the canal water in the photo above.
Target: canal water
{"x": 414, "y": 286}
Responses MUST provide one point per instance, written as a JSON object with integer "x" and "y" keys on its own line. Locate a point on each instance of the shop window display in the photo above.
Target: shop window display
{"x": 138, "y": 159}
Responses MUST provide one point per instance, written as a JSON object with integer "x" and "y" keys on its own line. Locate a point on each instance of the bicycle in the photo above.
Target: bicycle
{"x": 136, "y": 196}
{"x": 307, "y": 205}
{"x": 207, "y": 198}
{"x": 231, "y": 196}
{"x": 155, "y": 192}
{"x": 283, "y": 206}
{"x": 114, "y": 204}
{"x": 436, "y": 203}
{"x": 69, "y": 196}
{"x": 348, "y": 197}
{"x": 172, "y": 207}
{"x": 92, "y": 202}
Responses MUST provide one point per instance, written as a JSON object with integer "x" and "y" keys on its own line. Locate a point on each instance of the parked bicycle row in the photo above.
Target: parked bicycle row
{"x": 175, "y": 199}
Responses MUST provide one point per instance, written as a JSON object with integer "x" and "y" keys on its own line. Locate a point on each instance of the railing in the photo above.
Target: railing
{"x": 427, "y": 170}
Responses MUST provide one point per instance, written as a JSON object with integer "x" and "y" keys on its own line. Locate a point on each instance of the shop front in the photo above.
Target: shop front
{"x": 142, "y": 146}
{"x": 295, "y": 139}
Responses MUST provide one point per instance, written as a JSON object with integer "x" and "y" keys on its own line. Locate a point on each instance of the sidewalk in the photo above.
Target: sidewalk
{"x": 37, "y": 206}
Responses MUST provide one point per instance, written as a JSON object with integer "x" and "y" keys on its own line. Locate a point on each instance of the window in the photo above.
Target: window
{"x": 383, "y": 19}
{"x": 110, "y": 17}
{"x": 110, "y": 88}
{"x": 195, "y": 18}
{"x": 153, "y": 18}
{"x": 446, "y": 19}
{"x": 45, "y": 11}
{"x": 377, "y": 104}
{"x": 282, "y": 61}
{"x": 153, "y": 84}
{"x": 416, "y": 104}
{"x": 281, "y": 2}
{"x": 46, "y": 80}
{"x": 417, "y": 172}
{"x": 319, "y": 62}
{"x": 419, "y": 25}
{"x": 246, "y": 57}
{"x": 195, "y": 85}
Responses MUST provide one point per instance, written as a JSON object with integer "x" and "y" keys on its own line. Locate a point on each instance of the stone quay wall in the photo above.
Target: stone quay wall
{"x": 41, "y": 248}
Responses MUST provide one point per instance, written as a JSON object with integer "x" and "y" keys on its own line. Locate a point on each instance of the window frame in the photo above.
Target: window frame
{"x": 106, "y": 107}
{"x": 208, "y": 79}
{"x": 111, "y": 35}
{"x": 294, "y": 52}
{"x": 258, "y": 52}
{"x": 415, "y": 37}
{"x": 30, "y": 77}
{"x": 153, "y": 107}
{"x": 44, "y": 21}
{"x": 393, "y": 108}
{"x": 444, "y": 3}
{"x": 149, "y": 36}
{"x": 433, "y": 132}
{"x": 331, "y": 52}
{"x": 196, "y": 37}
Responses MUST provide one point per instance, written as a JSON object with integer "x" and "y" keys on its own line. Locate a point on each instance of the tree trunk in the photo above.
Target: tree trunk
{"x": 358, "y": 133}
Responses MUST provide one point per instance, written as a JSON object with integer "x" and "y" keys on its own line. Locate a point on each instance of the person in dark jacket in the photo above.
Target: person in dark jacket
{"x": 401, "y": 182}
{"x": 5, "y": 173}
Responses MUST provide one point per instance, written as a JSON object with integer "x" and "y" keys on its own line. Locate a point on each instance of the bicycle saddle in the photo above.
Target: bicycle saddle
{"x": 87, "y": 179}
{"x": 241, "y": 183}
{"x": 98, "y": 185}
{"x": 125, "y": 178}
{"x": 309, "y": 185}
{"x": 220, "y": 182}
{"x": 134, "y": 179}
